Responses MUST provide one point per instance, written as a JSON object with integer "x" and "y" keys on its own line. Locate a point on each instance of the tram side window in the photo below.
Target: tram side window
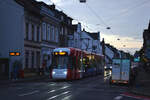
{"x": 71, "y": 62}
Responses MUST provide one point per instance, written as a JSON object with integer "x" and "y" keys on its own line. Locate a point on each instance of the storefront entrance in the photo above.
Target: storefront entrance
{"x": 4, "y": 68}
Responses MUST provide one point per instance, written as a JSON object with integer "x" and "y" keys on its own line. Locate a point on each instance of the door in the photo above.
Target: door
{"x": 4, "y": 68}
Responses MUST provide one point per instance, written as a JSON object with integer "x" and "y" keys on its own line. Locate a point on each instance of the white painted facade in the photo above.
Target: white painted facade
{"x": 82, "y": 40}
{"x": 11, "y": 30}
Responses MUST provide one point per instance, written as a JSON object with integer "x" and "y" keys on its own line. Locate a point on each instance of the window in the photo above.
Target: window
{"x": 48, "y": 32}
{"x": 38, "y": 59}
{"x": 52, "y": 33}
{"x": 32, "y": 32}
{"x": 38, "y": 33}
{"x": 27, "y": 30}
{"x": 26, "y": 59}
{"x": 62, "y": 31}
{"x": 56, "y": 35}
{"x": 44, "y": 31}
{"x": 32, "y": 59}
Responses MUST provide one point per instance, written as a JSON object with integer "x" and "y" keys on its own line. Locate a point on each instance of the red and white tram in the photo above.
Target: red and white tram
{"x": 72, "y": 63}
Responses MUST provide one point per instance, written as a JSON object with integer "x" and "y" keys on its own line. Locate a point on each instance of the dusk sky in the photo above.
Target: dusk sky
{"x": 127, "y": 19}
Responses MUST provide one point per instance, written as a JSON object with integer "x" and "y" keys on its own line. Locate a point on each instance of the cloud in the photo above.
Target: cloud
{"x": 129, "y": 42}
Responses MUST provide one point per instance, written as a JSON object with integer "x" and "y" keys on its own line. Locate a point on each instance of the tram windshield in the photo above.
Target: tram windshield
{"x": 60, "y": 62}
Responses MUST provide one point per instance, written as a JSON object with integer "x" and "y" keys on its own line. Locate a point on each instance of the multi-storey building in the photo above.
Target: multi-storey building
{"x": 32, "y": 36}
{"x": 146, "y": 43}
{"x": 50, "y": 32}
{"x": 66, "y": 29}
{"x": 11, "y": 35}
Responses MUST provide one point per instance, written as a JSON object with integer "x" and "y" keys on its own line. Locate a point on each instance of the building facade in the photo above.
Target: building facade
{"x": 50, "y": 30}
{"x": 11, "y": 35}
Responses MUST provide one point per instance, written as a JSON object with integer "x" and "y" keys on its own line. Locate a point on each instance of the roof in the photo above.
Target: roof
{"x": 94, "y": 35}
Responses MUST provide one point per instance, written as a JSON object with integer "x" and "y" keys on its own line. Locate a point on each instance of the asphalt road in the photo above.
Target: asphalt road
{"x": 92, "y": 88}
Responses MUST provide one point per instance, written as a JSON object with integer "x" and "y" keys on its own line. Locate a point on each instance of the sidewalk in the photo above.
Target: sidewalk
{"x": 142, "y": 83}
{"x": 27, "y": 79}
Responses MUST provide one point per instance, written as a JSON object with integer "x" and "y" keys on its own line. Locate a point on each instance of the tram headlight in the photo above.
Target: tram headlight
{"x": 65, "y": 72}
{"x": 53, "y": 72}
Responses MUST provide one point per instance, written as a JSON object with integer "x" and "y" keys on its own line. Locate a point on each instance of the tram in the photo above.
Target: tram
{"x": 72, "y": 64}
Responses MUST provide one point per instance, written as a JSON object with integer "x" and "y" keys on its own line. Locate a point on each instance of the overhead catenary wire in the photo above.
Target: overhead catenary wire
{"x": 82, "y": 22}
{"x": 99, "y": 18}
{"x": 130, "y": 9}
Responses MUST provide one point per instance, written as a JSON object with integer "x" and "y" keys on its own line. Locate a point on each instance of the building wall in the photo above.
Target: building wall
{"x": 50, "y": 31}
{"x": 32, "y": 39}
{"x": 11, "y": 29}
{"x": 109, "y": 53}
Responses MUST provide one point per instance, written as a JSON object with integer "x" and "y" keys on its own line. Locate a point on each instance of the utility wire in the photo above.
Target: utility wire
{"x": 130, "y": 9}
{"x": 99, "y": 18}
{"x": 71, "y": 16}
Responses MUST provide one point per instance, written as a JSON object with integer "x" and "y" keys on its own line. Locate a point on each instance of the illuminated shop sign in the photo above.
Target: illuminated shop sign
{"x": 14, "y": 53}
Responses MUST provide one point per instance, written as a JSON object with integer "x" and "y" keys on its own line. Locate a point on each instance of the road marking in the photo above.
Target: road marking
{"x": 51, "y": 91}
{"x": 64, "y": 87}
{"x": 52, "y": 84}
{"x": 58, "y": 95}
{"x": 58, "y": 89}
{"x": 29, "y": 93}
{"x": 118, "y": 98}
{"x": 67, "y": 97}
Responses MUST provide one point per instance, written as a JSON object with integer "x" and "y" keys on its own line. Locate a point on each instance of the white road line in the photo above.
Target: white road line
{"x": 58, "y": 89}
{"x": 118, "y": 98}
{"x": 64, "y": 87}
{"x": 29, "y": 93}
{"x": 52, "y": 84}
{"x": 51, "y": 91}
{"x": 58, "y": 95}
{"x": 67, "y": 97}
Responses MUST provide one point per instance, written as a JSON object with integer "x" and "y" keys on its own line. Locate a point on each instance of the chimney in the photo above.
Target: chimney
{"x": 84, "y": 29}
{"x": 99, "y": 36}
{"x": 79, "y": 27}
{"x": 52, "y": 6}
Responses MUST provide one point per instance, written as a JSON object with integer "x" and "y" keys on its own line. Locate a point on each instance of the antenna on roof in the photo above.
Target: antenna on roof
{"x": 82, "y": 1}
